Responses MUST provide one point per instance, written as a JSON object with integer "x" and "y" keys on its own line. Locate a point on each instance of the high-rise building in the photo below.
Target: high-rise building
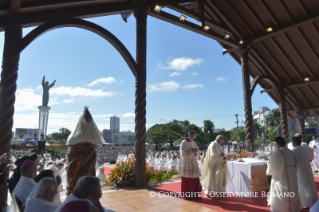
{"x": 115, "y": 124}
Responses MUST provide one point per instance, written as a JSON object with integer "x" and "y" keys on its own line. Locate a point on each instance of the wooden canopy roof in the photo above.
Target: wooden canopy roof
{"x": 282, "y": 35}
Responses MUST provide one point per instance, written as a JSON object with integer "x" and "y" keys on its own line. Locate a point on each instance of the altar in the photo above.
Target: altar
{"x": 245, "y": 175}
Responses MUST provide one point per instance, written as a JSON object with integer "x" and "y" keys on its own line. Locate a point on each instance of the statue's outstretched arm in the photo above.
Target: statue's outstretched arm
{"x": 50, "y": 86}
{"x": 43, "y": 80}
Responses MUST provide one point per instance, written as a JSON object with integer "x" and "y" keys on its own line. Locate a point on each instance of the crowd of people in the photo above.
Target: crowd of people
{"x": 36, "y": 181}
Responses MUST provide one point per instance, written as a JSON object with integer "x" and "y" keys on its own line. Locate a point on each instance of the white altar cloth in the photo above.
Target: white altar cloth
{"x": 240, "y": 175}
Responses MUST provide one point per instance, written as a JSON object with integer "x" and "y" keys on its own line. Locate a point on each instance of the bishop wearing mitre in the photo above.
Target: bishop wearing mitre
{"x": 81, "y": 153}
{"x": 188, "y": 168}
{"x": 306, "y": 183}
{"x": 215, "y": 174}
{"x": 282, "y": 166}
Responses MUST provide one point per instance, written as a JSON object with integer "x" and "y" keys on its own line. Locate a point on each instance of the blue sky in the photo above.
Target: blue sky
{"x": 187, "y": 77}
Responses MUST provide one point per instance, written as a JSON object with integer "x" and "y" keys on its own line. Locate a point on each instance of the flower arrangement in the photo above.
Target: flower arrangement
{"x": 123, "y": 174}
{"x": 242, "y": 154}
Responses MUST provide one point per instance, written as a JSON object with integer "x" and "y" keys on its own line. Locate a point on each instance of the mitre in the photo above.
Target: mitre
{"x": 85, "y": 131}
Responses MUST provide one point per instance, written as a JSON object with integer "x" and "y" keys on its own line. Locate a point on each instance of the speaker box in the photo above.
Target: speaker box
{"x": 112, "y": 161}
{"x": 41, "y": 146}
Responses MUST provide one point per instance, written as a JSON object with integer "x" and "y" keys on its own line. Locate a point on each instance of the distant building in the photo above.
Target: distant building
{"x": 123, "y": 138}
{"x": 115, "y": 124}
{"x": 107, "y": 135}
{"x": 118, "y": 138}
{"x": 260, "y": 115}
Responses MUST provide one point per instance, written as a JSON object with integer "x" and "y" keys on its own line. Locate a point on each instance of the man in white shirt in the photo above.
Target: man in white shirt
{"x": 173, "y": 164}
{"x": 188, "y": 168}
{"x": 284, "y": 195}
{"x": 162, "y": 164}
{"x": 314, "y": 144}
{"x": 306, "y": 183}
{"x": 25, "y": 185}
{"x": 45, "y": 193}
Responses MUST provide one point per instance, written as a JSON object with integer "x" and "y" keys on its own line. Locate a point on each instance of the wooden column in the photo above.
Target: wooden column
{"x": 283, "y": 117}
{"x": 301, "y": 125}
{"x": 8, "y": 86}
{"x": 247, "y": 99}
{"x": 140, "y": 97}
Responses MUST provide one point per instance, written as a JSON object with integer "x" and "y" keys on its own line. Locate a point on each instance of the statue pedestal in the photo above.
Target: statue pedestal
{"x": 43, "y": 121}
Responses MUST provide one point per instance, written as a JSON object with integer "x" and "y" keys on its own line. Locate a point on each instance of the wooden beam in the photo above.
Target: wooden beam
{"x": 303, "y": 83}
{"x": 310, "y": 108}
{"x": 14, "y": 8}
{"x": 37, "y": 18}
{"x": 193, "y": 27}
{"x": 196, "y": 16}
{"x": 283, "y": 29}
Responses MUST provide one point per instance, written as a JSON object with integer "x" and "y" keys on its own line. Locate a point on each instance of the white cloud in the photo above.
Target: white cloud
{"x": 28, "y": 99}
{"x": 221, "y": 79}
{"x": 81, "y": 92}
{"x": 180, "y": 64}
{"x": 194, "y": 74}
{"x": 192, "y": 86}
{"x": 128, "y": 115}
{"x": 164, "y": 87}
{"x": 175, "y": 74}
{"x": 122, "y": 81}
{"x": 68, "y": 101}
{"x": 108, "y": 80}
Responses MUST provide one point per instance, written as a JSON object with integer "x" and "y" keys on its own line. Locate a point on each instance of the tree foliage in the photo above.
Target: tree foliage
{"x": 242, "y": 135}
{"x": 63, "y": 134}
{"x": 313, "y": 123}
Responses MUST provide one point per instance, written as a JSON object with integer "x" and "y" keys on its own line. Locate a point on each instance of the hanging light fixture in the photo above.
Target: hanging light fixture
{"x": 182, "y": 18}
{"x": 241, "y": 42}
{"x": 269, "y": 29}
{"x": 226, "y": 36}
{"x": 306, "y": 79}
{"x": 206, "y": 27}
{"x": 157, "y": 8}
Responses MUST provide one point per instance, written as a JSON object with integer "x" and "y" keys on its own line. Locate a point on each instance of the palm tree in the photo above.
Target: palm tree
{"x": 273, "y": 119}
{"x": 208, "y": 128}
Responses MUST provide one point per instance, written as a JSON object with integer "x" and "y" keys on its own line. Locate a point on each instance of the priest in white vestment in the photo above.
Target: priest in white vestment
{"x": 215, "y": 174}
{"x": 100, "y": 174}
{"x": 284, "y": 195}
{"x": 314, "y": 144}
{"x": 304, "y": 145}
{"x": 188, "y": 168}
{"x": 25, "y": 184}
{"x": 44, "y": 196}
{"x": 64, "y": 178}
{"x": 306, "y": 183}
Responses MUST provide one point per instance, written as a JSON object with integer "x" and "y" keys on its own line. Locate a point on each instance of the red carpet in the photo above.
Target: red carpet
{"x": 107, "y": 170}
{"x": 226, "y": 204}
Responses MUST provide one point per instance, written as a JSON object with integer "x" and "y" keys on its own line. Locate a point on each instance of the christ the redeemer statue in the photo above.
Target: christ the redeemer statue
{"x": 46, "y": 88}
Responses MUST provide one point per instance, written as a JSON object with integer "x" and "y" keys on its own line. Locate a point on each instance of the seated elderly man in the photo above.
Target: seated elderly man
{"x": 25, "y": 184}
{"x": 44, "y": 195}
{"x": 87, "y": 187}
{"x": 44, "y": 174}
